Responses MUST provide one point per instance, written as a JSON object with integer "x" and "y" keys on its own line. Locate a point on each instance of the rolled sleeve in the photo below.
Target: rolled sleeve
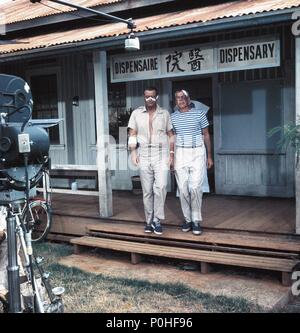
{"x": 169, "y": 123}
{"x": 132, "y": 122}
{"x": 204, "y": 121}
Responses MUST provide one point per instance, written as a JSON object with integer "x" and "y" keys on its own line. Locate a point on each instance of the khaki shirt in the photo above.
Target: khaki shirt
{"x": 161, "y": 124}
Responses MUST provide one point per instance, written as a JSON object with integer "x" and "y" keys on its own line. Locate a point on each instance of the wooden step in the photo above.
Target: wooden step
{"x": 193, "y": 245}
{"x": 278, "y": 243}
{"x": 208, "y": 257}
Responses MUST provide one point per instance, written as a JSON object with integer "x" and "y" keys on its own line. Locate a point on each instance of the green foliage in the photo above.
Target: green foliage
{"x": 290, "y": 136}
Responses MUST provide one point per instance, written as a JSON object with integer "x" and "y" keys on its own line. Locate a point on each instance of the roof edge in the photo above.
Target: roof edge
{"x": 177, "y": 32}
{"x": 73, "y": 14}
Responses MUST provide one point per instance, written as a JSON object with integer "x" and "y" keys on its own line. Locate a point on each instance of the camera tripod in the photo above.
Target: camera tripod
{"x": 23, "y": 265}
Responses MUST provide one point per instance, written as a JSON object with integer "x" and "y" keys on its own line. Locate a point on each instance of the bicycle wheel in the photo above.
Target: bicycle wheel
{"x": 42, "y": 218}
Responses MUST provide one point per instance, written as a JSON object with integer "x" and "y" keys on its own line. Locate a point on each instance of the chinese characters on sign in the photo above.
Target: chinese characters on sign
{"x": 173, "y": 60}
{"x": 192, "y": 60}
{"x": 198, "y": 59}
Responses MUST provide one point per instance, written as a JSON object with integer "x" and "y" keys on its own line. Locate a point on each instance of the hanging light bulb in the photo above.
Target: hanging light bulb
{"x": 132, "y": 43}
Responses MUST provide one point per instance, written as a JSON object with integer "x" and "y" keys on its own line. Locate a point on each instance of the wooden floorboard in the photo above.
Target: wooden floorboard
{"x": 263, "y": 216}
{"x": 269, "y": 215}
{"x": 208, "y": 237}
{"x": 197, "y": 245}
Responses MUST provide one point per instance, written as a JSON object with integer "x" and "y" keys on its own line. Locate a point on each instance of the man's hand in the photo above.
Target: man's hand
{"x": 134, "y": 158}
{"x": 209, "y": 162}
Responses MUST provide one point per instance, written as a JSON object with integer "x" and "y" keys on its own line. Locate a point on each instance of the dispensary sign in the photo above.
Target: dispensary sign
{"x": 196, "y": 59}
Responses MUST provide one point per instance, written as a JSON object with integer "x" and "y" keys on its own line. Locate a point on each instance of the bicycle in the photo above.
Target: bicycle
{"x": 28, "y": 283}
{"x": 39, "y": 214}
{"x": 39, "y": 218}
{"x": 29, "y": 221}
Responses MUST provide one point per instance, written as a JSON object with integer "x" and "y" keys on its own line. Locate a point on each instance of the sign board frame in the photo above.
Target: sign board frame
{"x": 202, "y": 59}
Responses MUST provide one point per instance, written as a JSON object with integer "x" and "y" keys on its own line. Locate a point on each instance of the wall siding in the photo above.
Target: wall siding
{"x": 257, "y": 173}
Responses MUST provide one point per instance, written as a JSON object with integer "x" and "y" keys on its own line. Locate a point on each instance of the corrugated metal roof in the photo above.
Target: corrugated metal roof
{"x": 24, "y": 10}
{"x": 232, "y": 9}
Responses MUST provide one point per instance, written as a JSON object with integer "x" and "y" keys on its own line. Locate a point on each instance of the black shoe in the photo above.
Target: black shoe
{"x": 187, "y": 226}
{"x": 156, "y": 228}
{"x": 196, "y": 229}
{"x": 148, "y": 228}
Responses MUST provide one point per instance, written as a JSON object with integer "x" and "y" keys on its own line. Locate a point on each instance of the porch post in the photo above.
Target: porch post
{"x": 297, "y": 105}
{"x": 102, "y": 134}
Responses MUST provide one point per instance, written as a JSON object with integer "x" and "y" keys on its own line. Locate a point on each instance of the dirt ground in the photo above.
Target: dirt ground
{"x": 261, "y": 288}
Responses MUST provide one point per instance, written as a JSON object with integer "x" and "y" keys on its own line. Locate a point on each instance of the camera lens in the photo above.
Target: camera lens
{"x": 5, "y": 144}
{"x": 20, "y": 99}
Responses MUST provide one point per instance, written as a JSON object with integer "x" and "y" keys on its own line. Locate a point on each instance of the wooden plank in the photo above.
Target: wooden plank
{"x": 195, "y": 245}
{"x": 276, "y": 264}
{"x": 65, "y": 225}
{"x": 102, "y": 126}
{"x": 286, "y": 278}
{"x": 77, "y": 192}
{"x": 249, "y": 241}
{"x": 205, "y": 268}
{"x": 73, "y": 167}
{"x": 78, "y": 248}
{"x": 135, "y": 258}
{"x": 59, "y": 238}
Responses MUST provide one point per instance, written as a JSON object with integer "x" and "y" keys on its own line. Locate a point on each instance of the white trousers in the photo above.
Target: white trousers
{"x": 154, "y": 168}
{"x": 190, "y": 168}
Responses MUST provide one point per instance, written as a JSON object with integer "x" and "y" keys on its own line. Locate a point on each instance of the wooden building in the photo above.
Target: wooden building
{"x": 241, "y": 58}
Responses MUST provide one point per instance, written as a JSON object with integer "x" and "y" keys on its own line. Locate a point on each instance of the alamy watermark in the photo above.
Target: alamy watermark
{"x": 296, "y": 24}
{"x": 120, "y": 158}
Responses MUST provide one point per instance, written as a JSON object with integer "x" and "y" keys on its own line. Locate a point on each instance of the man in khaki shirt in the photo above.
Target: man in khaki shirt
{"x": 151, "y": 141}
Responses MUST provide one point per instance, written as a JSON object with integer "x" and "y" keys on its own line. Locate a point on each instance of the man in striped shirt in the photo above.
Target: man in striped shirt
{"x": 191, "y": 158}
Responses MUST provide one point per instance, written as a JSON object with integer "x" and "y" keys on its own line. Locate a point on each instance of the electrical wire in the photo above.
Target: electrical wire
{"x": 9, "y": 114}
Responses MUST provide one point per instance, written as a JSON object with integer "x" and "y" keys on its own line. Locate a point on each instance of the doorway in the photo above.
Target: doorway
{"x": 200, "y": 90}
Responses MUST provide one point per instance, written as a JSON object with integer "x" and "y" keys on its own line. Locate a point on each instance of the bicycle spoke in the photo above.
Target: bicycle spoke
{"x": 41, "y": 220}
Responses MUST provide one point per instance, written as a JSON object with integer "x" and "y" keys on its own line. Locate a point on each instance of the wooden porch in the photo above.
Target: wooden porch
{"x": 248, "y": 232}
{"x": 220, "y": 213}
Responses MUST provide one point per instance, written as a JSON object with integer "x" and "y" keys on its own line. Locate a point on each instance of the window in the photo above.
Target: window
{"x": 45, "y": 101}
{"x": 118, "y": 115}
{"x": 248, "y": 111}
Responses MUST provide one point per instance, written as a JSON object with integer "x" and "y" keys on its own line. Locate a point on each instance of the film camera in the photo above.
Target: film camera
{"x": 24, "y": 142}
{"x": 24, "y": 156}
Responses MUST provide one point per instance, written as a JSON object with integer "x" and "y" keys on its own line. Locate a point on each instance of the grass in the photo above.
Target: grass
{"x": 98, "y": 293}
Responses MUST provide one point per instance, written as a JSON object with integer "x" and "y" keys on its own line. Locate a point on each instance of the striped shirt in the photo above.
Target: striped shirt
{"x": 188, "y": 127}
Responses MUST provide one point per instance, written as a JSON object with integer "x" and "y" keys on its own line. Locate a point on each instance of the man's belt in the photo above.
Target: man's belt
{"x": 151, "y": 145}
{"x": 193, "y": 146}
